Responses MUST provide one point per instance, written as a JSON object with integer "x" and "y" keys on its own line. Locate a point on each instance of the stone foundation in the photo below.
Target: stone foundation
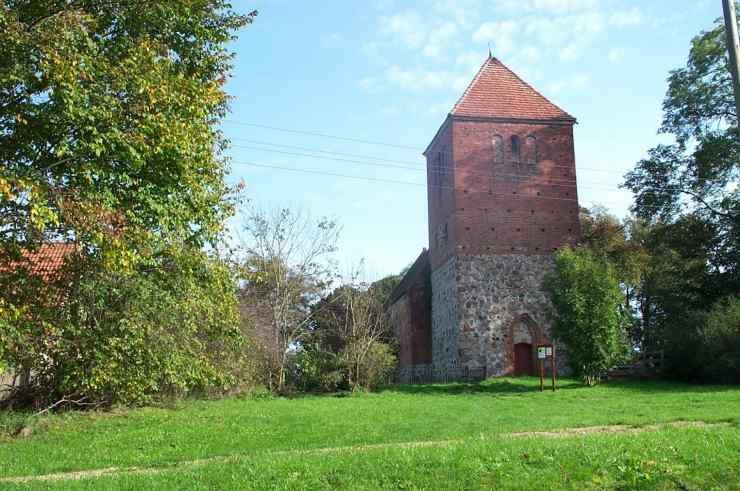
{"x": 501, "y": 302}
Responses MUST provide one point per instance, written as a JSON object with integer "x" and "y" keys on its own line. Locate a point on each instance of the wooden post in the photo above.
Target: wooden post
{"x": 542, "y": 372}
{"x": 552, "y": 365}
{"x": 733, "y": 50}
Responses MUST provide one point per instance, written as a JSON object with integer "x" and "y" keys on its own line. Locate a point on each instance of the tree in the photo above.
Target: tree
{"x": 688, "y": 200}
{"x": 364, "y": 330}
{"x": 109, "y": 139}
{"x": 590, "y": 317}
{"x": 107, "y": 123}
{"x": 721, "y": 332}
{"x": 699, "y": 174}
{"x": 286, "y": 263}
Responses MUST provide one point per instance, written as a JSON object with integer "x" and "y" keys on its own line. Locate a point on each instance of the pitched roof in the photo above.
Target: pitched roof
{"x": 496, "y": 91}
{"x": 47, "y": 261}
{"x": 420, "y": 267}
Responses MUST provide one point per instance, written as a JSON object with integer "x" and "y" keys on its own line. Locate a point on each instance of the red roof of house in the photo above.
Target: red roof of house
{"x": 496, "y": 91}
{"x": 46, "y": 261}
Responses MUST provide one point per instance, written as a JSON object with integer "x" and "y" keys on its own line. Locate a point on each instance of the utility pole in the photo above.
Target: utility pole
{"x": 733, "y": 49}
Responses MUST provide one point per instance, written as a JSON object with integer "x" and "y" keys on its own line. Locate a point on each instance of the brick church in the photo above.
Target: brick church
{"x": 501, "y": 192}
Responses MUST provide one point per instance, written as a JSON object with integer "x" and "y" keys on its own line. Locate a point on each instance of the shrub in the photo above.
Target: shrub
{"x": 317, "y": 370}
{"x": 133, "y": 337}
{"x": 375, "y": 367}
{"x": 721, "y": 336}
{"x": 589, "y": 312}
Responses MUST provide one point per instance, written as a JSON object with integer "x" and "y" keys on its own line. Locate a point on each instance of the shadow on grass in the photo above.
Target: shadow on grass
{"x": 505, "y": 386}
{"x": 657, "y": 385}
{"x": 523, "y": 385}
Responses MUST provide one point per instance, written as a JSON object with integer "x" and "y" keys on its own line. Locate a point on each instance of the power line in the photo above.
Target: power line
{"x": 408, "y": 183}
{"x": 436, "y": 170}
{"x": 326, "y": 135}
{"x": 380, "y": 159}
{"x": 439, "y": 170}
{"x": 323, "y": 135}
{"x": 329, "y": 152}
{"x": 391, "y": 181}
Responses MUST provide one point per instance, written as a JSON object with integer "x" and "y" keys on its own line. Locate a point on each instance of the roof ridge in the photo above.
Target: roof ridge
{"x": 532, "y": 87}
{"x": 472, "y": 82}
{"x": 498, "y": 91}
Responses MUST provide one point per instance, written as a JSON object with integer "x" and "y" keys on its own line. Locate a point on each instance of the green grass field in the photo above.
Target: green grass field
{"x": 454, "y": 436}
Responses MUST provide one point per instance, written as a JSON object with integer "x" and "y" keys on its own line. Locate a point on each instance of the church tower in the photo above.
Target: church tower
{"x": 501, "y": 187}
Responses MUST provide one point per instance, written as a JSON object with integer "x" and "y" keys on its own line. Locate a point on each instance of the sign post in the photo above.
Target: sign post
{"x": 544, "y": 352}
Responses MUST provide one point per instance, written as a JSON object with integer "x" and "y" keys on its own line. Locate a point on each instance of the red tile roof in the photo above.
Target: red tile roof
{"x": 46, "y": 261}
{"x": 496, "y": 91}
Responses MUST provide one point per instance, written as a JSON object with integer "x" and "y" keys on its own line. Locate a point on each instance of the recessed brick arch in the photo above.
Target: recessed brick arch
{"x": 522, "y": 329}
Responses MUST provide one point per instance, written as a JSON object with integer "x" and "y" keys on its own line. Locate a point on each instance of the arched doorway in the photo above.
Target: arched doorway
{"x": 523, "y": 363}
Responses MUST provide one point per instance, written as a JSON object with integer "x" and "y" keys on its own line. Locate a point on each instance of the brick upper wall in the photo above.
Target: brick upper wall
{"x": 499, "y": 206}
{"x": 441, "y": 195}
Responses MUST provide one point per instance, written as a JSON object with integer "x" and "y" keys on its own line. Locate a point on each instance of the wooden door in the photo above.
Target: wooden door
{"x": 523, "y": 363}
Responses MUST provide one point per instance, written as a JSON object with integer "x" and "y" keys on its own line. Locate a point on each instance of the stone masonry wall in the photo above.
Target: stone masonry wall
{"x": 444, "y": 316}
{"x": 501, "y": 300}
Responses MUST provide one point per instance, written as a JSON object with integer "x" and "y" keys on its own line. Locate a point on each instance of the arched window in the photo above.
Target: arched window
{"x": 516, "y": 149}
{"x": 530, "y": 150}
{"x": 498, "y": 149}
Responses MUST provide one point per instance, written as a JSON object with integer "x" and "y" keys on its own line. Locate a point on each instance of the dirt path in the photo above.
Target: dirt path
{"x": 562, "y": 433}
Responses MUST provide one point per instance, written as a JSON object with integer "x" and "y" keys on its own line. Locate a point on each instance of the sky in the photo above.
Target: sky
{"x": 334, "y": 101}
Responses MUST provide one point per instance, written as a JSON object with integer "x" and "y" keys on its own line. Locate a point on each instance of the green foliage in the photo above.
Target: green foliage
{"x": 688, "y": 198}
{"x": 376, "y": 367}
{"x": 317, "y": 370}
{"x": 699, "y": 111}
{"x": 384, "y": 440}
{"x": 107, "y": 113}
{"x": 590, "y": 318}
{"x": 109, "y": 139}
{"x": 721, "y": 335}
{"x": 134, "y": 338}
{"x": 351, "y": 323}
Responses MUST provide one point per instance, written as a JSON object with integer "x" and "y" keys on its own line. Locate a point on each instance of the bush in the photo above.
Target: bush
{"x": 134, "y": 337}
{"x": 722, "y": 341}
{"x": 590, "y": 316}
{"x": 317, "y": 370}
{"x": 376, "y": 366}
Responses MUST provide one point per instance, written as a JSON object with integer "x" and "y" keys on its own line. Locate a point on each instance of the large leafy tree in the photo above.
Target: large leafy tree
{"x": 688, "y": 197}
{"x": 107, "y": 122}
{"x": 109, "y": 139}
{"x": 699, "y": 173}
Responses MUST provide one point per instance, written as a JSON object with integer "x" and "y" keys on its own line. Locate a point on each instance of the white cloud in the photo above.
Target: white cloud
{"x": 331, "y": 40}
{"x": 500, "y": 34}
{"x": 547, "y": 6}
{"x": 369, "y": 84}
{"x": 569, "y": 53}
{"x": 439, "y": 39}
{"x": 624, "y": 18}
{"x": 577, "y": 82}
{"x": 616, "y": 55}
{"x": 464, "y": 13}
{"x": 405, "y": 27}
{"x": 436, "y": 37}
{"x": 531, "y": 54}
{"x": 418, "y": 79}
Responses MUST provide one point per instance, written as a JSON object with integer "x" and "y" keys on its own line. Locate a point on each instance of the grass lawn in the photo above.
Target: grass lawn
{"x": 455, "y": 436}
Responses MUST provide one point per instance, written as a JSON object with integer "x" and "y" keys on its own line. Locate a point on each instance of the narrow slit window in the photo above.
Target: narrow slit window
{"x": 516, "y": 150}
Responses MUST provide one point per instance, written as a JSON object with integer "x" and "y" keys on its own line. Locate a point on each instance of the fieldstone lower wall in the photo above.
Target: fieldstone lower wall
{"x": 445, "y": 316}
{"x": 414, "y": 373}
{"x": 501, "y": 301}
